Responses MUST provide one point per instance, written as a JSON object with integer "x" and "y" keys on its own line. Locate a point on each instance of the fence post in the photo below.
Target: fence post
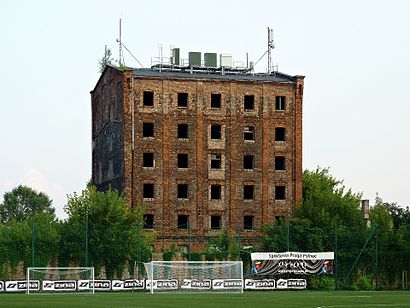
{"x": 336, "y": 255}
{"x": 86, "y": 242}
{"x": 288, "y": 236}
{"x": 238, "y": 231}
{"x": 138, "y": 251}
{"x": 32, "y": 242}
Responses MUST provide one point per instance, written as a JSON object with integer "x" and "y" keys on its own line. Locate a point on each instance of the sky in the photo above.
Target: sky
{"x": 354, "y": 54}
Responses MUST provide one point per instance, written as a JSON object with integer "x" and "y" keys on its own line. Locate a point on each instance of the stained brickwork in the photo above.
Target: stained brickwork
{"x": 119, "y": 113}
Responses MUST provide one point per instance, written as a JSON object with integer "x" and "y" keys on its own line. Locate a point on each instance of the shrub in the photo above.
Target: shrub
{"x": 364, "y": 283}
{"x": 326, "y": 283}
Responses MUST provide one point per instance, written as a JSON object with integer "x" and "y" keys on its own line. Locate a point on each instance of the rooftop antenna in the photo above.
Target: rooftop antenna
{"x": 271, "y": 45}
{"x": 120, "y": 48}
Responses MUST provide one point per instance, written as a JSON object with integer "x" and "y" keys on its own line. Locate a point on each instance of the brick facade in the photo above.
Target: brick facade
{"x": 118, "y": 111}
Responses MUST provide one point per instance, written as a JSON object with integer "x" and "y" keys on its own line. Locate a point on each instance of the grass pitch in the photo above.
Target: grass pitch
{"x": 248, "y": 299}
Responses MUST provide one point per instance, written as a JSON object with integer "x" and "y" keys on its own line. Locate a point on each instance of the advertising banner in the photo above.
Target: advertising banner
{"x": 227, "y": 284}
{"x": 198, "y": 284}
{"x": 164, "y": 284}
{"x": 21, "y": 285}
{"x": 99, "y": 285}
{"x": 262, "y": 284}
{"x": 130, "y": 284}
{"x": 302, "y": 263}
{"x": 59, "y": 285}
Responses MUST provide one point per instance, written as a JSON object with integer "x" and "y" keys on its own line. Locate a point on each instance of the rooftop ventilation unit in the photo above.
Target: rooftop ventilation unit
{"x": 210, "y": 59}
{"x": 175, "y": 56}
{"x": 194, "y": 58}
{"x": 226, "y": 60}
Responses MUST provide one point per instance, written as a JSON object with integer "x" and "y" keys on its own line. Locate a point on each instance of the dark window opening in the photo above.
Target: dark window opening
{"x": 248, "y": 162}
{"x": 182, "y": 160}
{"x": 216, "y": 131}
{"x": 182, "y": 191}
{"x": 280, "y": 134}
{"x": 280, "y": 163}
{"x": 148, "y": 190}
{"x": 280, "y": 103}
{"x": 148, "y": 221}
{"x": 216, "y": 101}
{"x": 249, "y": 102}
{"x": 280, "y": 192}
{"x": 215, "y": 161}
{"x": 216, "y": 222}
{"x": 183, "y": 222}
{"x": 148, "y": 160}
{"x": 148, "y": 98}
{"x": 148, "y": 130}
{"x": 248, "y": 191}
{"x": 215, "y": 192}
{"x": 183, "y": 100}
{"x": 248, "y": 222}
{"x": 249, "y": 133}
{"x": 183, "y": 131}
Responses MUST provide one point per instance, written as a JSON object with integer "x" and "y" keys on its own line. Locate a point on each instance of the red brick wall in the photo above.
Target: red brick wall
{"x": 199, "y": 116}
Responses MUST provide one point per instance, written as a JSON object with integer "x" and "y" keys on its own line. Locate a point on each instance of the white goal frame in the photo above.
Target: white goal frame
{"x": 150, "y": 271}
{"x": 91, "y": 269}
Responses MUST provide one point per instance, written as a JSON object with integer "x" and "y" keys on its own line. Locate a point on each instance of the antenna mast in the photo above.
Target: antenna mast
{"x": 271, "y": 45}
{"x": 119, "y": 48}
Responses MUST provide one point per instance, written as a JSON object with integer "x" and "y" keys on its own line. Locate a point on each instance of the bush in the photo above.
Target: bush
{"x": 326, "y": 283}
{"x": 313, "y": 282}
{"x": 321, "y": 283}
{"x": 364, "y": 283}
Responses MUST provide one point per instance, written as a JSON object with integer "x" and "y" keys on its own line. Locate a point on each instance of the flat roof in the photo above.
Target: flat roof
{"x": 202, "y": 74}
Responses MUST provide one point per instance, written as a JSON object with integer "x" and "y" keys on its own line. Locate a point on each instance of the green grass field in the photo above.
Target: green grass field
{"x": 247, "y": 299}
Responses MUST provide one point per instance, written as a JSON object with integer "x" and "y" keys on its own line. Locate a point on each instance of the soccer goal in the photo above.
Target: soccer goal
{"x": 60, "y": 279}
{"x": 195, "y": 276}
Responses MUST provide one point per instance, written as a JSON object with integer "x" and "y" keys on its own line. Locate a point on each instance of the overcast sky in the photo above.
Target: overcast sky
{"x": 354, "y": 54}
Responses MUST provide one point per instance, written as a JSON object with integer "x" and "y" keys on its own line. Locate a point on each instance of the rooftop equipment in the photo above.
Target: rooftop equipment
{"x": 210, "y": 59}
{"x": 194, "y": 58}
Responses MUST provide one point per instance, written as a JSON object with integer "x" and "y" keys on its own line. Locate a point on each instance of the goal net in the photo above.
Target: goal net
{"x": 195, "y": 276}
{"x": 60, "y": 279}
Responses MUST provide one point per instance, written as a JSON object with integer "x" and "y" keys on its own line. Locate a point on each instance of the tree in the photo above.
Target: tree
{"x": 105, "y": 60}
{"x": 22, "y": 203}
{"x": 110, "y": 227}
{"x": 325, "y": 202}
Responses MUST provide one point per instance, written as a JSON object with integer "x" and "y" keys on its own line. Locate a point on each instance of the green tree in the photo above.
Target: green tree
{"x": 111, "y": 229}
{"x": 22, "y": 203}
{"x": 325, "y": 201}
{"x": 218, "y": 247}
{"x": 105, "y": 60}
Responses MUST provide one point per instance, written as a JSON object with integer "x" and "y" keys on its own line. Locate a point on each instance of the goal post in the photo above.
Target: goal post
{"x": 195, "y": 276}
{"x": 60, "y": 279}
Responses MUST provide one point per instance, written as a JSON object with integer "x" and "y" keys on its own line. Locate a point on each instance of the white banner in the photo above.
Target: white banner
{"x": 297, "y": 284}
{"x": 99, "y": 285}
{"x": 59, "y": 285}
{"x": 281, "y": 284}
{"x": 291, "y": 255}
{"x": 227, "y": 284}
{"x": 260, "y": 284}
{"x": 164, "y": 284}
{"x": 198, "y": 284}
{"x": 21, "y": 285}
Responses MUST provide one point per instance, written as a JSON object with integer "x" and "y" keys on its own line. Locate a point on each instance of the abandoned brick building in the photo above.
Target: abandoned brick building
{"x": 201, "y": 150}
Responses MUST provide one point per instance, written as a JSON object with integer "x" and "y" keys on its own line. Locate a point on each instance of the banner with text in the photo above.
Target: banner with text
{"x": 302, "y": 263}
